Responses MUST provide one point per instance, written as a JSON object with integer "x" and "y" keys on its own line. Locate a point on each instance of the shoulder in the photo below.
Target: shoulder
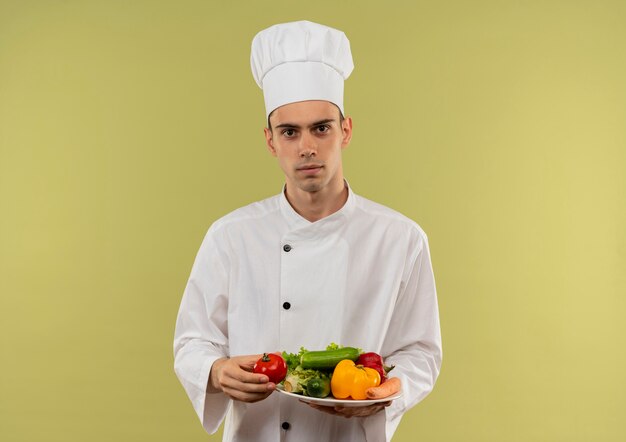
{"x": 245, "y": 215}
{"x": 376, "y": 213}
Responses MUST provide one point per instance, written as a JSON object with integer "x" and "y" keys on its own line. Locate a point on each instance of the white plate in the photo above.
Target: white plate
{"x": 332, "y": 402}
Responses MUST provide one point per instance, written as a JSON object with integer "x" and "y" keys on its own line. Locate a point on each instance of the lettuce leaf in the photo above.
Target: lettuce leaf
{"x": 293, "y": 359}
{"x": 299, "y": 378}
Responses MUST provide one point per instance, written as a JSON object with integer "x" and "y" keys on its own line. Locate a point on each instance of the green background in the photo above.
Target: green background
{"x": 127, "y": 127}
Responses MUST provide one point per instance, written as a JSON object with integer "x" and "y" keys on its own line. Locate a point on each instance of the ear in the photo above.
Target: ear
{"x": 269, "y": 141}
{"x": 346, "y": 129}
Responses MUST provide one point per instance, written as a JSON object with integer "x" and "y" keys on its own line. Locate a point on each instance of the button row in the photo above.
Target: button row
{"x": 286, "y": 306}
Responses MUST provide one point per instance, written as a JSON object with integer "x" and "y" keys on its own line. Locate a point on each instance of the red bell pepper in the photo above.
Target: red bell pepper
{"x": 375, "y": 361}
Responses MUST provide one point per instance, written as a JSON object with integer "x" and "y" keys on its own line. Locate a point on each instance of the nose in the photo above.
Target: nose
{"x": 308, "y": 146}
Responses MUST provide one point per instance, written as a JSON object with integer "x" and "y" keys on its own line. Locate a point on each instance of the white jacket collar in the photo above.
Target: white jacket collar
{"x": 295, "y": 221}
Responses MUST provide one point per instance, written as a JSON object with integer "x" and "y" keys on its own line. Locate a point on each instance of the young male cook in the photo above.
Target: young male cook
{"x": 312, "y": 265}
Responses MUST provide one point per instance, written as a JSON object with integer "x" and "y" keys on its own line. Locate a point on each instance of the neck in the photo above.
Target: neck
{"x": 314, "y": 206}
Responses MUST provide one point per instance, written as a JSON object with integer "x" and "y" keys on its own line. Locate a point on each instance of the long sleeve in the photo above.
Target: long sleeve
{"x": 201, "y": 335}
{"x": 413, "y": 341}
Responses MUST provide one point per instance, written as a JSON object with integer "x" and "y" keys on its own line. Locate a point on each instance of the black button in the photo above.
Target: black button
{"x": 287, "y": 248}
{"x": 285, "y": 425}
{"x": 286, "y": 305}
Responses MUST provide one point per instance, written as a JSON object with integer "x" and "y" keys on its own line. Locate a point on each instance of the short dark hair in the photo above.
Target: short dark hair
{"x": 341, "y": 117}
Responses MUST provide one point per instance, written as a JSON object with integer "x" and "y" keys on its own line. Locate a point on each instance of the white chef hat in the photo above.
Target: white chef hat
{"x": 300, "y": 61}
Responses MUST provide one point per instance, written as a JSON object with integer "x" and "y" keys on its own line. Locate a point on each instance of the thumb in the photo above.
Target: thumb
{"x": 247, "y": 362}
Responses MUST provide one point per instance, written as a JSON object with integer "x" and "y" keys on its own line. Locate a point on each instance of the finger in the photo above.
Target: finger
{"x": 348, "y": 411}
{"x": 247, "y": 362}
{"x": 248, "y": 387}
{"x": 328, "y": 410}
{"x": 244, "y": 376}
{"x": 249, "y": 392}
{"x": 359, "y": 411}
{"x": 251, "y": 378}
{"x": 245, "y": 396}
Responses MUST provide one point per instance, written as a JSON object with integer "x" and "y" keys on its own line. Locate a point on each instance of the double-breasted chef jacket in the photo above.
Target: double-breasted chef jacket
{"x": 266, "y": 279}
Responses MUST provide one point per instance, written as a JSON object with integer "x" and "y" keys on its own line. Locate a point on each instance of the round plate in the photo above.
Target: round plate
{"x": 332, "y": 402}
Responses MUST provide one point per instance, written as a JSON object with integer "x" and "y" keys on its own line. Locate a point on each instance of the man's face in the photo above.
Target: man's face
{"x": 307, "y": 137}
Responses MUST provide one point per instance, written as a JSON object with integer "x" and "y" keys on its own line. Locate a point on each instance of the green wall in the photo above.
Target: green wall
{"x": 127, "y": 127}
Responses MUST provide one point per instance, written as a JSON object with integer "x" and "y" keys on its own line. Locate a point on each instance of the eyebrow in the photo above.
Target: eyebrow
{"x": 296, "y": 126}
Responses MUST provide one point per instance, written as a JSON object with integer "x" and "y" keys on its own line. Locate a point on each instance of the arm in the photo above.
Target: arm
{"x": 413, "y": 340}
{"x": 201, "y": 336}
{"x": 201, "y": 353}
{"x": 210, "y": 378}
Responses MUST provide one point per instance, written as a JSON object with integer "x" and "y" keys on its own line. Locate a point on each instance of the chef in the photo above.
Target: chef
{"x": 312, "y": 265}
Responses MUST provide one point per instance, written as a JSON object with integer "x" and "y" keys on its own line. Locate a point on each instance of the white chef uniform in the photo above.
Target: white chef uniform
{"x": 266, "y": 279}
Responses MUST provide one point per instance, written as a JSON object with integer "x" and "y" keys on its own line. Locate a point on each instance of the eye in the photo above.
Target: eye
{"x": 289, "y": 133}
{"x": 323, "y": 128}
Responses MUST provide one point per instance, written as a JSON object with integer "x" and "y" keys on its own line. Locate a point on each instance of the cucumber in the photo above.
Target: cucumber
{"x": 327, "y": 359}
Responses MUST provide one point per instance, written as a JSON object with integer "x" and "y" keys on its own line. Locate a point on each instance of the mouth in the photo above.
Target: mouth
{"x": 309, "y": 169}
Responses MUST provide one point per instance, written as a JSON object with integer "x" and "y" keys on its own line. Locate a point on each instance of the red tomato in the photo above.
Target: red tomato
{"x": 273, "y": 366}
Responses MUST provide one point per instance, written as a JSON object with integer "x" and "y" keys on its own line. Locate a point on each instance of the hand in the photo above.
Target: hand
{"x": 389, "y": 388}
{"x": 234, "y": 377}
{"x": 349, "y": 412}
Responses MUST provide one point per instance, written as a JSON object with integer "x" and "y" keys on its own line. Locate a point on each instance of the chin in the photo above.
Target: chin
{"x": 311, "y": 187}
